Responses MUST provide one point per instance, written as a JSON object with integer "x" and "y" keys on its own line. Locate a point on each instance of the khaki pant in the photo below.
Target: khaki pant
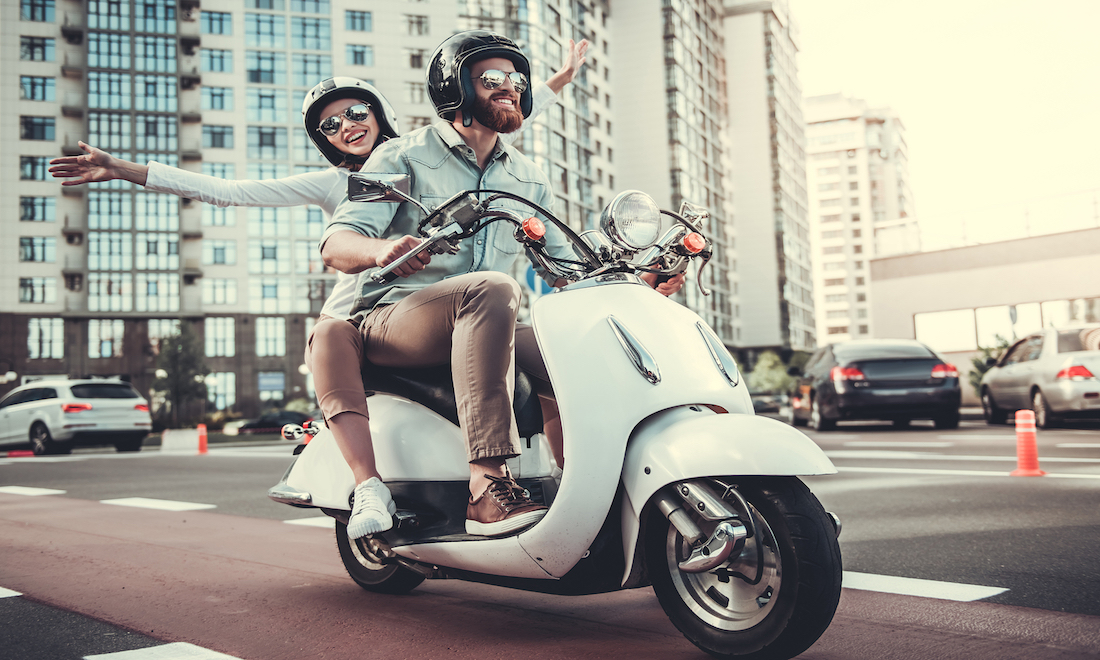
{"x": 468, "y": 321}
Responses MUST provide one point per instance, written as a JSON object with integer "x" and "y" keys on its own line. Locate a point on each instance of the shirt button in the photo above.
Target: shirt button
{"x": 479, "y": 241}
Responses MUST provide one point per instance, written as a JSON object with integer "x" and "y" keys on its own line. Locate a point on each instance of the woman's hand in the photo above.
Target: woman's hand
{"x": 667, "y": 288}
{"x": 570, "y": 68}
{"x": 96, "y": 165}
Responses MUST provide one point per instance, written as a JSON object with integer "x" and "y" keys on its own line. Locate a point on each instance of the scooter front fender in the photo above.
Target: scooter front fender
{"x": 688, "y": 442}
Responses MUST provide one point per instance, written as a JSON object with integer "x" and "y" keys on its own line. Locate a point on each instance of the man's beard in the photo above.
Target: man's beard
{"x": 497, "y": 117}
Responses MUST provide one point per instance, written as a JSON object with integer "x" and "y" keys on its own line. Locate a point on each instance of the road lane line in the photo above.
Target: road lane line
{"x": 914, "y": 455}
{"x": 960, "y": 473}
{"x": 1078, "y": 445}
{"x": 324, "y": 522}
{"x": 162, "y": 505}
{"x": 904, "y": 586}
{"x": 29, "y": 491}
{"x": 934, "y": 445}
{"x": 8, "y": 593}
{"x": 980, "y": 436}
{"x": 175, "y": 651}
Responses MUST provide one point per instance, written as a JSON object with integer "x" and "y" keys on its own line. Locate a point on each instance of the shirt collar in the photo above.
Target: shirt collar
{"x": 453, "y": 139}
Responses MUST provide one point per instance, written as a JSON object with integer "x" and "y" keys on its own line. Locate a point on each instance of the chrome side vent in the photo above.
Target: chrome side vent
{"x": 639, "y": 356}
{"x": 723, "y": 361}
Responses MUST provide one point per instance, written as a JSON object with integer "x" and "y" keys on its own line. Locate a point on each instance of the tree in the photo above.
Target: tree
{"x": 979, "y": 362}
{"x": 769, "y": 375}
{"x": 181, "y": 369}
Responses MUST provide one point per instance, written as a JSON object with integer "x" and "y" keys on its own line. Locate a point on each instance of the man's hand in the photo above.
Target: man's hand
{"x": 570, "y": 68}
{"x": 391, "y": 252}
{"x": 668, "y": 288}
{"x": 96, "y": 165}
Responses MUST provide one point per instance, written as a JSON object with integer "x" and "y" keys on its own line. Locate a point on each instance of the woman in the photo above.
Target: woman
{"x": 346, "y": 118}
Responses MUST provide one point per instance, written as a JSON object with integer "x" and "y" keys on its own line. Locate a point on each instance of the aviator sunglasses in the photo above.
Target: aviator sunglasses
{"x": 494, "y": 78}
{"x": 331, "y": 125}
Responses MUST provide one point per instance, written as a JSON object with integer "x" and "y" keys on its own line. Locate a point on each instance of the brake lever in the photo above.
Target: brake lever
{"x": 431, "y": 244}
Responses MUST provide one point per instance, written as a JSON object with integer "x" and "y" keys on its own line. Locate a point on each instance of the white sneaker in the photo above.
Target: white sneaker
{"x": 373, "y": 509}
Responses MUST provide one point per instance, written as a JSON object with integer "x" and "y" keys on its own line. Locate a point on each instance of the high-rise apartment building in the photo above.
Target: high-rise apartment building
{"x": 861, "y": 207}
{"x": 768, "y": 178}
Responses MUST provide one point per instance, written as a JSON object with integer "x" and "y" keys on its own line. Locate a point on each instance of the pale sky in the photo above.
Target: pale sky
{"x": 1000, "y": 100}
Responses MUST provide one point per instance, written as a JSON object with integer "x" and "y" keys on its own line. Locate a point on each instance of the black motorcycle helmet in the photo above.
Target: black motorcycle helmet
{"x": 449, "y": 84}
{"x": 342, "y": 87}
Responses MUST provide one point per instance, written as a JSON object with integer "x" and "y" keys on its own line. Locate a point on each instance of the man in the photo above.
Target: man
{"x": 458, "y": 309}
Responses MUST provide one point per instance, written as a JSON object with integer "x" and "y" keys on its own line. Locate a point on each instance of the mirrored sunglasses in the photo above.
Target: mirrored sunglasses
{"x": 494, "y": 78}
{"x": 331, "y": 125}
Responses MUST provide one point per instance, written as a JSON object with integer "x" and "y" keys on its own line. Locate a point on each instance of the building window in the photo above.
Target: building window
{"x": 272, "y": 385}
{"x": 110, "y": 129}
{"x": 266, "y": 104}
{"x": 108, "y": 90}
{"x": 221, "y": 339}
{"x": 158, "y": 292}
{"x": 33, "y": 168}
{"x": 863, "y": 329}
{"x": 108, "y": 51}
{"x": 217, "y": 98}
{"x": 304, "y": 149}
{"x": 154, "y": 94}
{"x": 853, "y": 169}
{"x": 856, "y": 233}
{"x": 268, "y": 257}
{"x": 110, "y": 250}
{"x": 161, "y": 329}
{"x": 310, "y": 6}
{"x": 37, "y": 248}
{"x": 36, "y": 49}
{"x": 268, "y": 221}
{"x": 217, "y": 61}
{"x": 37, "y": 289}
{"x": 358, "y": 21}
{"x": 221, "y": 386}
{"x": 359, "y": 55}
{"x": 219, "y": 170}
{"x": 158, "y": 54}
{"x": 37, "y": 209}
{"x": 417, "y": 57}
{"x": 838, "y": 330}
{"x": 157, "y": 16}
{"x": 833, "y": 249}
{"x": 219, "y": 291}
{"x": 258, "y": 171}
{"x": 46, "y": 339}
{"x": 309, "y": 221}
{"x": 217, "y": 137}
{"x": 109, "y": 210}
{"x": 156, "y": 132}
{"x": 216, "y": 22}
{"x": 270, "y": 295}
{"x": 36, "y": 88}
{"x": 414, "y": 92}
{"x": 105, "y": 337}
{"x": 854, "y": 201}
{"x": 265, "y": 31}
{"x": 109, "y": 15}
{"x": 270, "y": 336}
{"x": 157, "y": 251}
{"x": 265, "y": 67}
{"x": 835, "y": 282}
{"x": 110, "y": 292}
{"x": 156, "y": 212}
{"x": 861, "y": 297}
{"x": 267, "y": 143}
{"x": 36, "y": 10}
{"x": 859, "y": 281}
{"x": 307, "y": 258}
{"x": 276, "y": 5}
{"x": 418, "y": 25}
{"x": 857, "y": 249}
{"x": 219, "y": 251}
{"x": 310, "y": 33}
{"x": 307, "y": 69}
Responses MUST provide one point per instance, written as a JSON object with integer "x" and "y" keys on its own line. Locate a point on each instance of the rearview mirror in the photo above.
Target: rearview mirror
{"x": 375, "y": 187}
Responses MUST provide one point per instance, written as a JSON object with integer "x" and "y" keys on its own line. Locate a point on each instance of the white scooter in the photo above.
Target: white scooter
{"x": 670, "y": 480}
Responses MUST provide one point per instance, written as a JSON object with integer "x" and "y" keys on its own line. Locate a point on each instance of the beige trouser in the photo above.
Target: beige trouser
{"x": 468, "y": 321}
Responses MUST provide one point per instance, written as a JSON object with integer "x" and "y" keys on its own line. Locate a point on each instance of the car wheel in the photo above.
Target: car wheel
{"x": 42, "y": 443}
{"x": 131, "y": 443}
{"x": 1044, "y": 418}
{"x": 948, "y": 421}
{"x": 990, "y": 411}
{"x": 818, "y": 420}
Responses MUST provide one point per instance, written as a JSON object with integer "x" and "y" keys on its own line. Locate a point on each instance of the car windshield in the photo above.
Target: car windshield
{"x": 880, "y": 352}
{"x": 1071, "y": 341}
{"x": 104, "y": 391}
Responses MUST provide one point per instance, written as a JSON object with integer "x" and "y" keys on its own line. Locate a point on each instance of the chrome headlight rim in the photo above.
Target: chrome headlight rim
{"x": 610, "y": 227}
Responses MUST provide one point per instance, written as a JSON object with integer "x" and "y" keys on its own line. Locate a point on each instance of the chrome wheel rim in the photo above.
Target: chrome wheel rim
{"x": 39, "y": 439}
{"x": 987, "y": 406}
{"x": 815, "y": 414}
{"x": 1040, "y": 409}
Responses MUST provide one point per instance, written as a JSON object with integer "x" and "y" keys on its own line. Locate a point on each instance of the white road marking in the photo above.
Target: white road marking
{"x": 958, "y": 473}
{"x": 910, "y": 455}
{"x": 1008, "y": 437}
{"x": 162, "y": 505}
{"x": 915, "y": 587}
{"x": 8, "y": 593}
{"x": 319, "y": 521}
{"x": 38, "y": 460}
{"x": 175, "y": 651}
{"x": 934, "y": 445}
{"x": 1078, "y": 445}
{"x": 27, "y": 490}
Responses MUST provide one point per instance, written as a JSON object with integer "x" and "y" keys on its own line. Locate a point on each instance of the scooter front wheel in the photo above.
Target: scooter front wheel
{"x": 372, "y": 575}
{"x": 773, "y": 600}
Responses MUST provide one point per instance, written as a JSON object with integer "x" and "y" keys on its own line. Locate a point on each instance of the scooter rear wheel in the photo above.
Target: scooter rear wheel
{"x": 771, "y": 602}
{"x": 370, "y": 574}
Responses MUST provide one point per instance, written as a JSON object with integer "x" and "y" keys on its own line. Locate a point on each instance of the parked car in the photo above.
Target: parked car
{"x": 53, "y": 415}
{"x": 769, "y": 402}
{"x": 273, "y": 421}
{"x": 1053, "y": 372}
{"x": 889, "y": 379}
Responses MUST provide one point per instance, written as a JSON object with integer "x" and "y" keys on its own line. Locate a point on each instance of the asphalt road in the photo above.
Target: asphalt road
{"x": 920, "y": 503}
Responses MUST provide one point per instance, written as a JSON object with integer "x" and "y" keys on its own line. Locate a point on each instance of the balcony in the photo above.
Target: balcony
{"x": 73, "y": 230}
{"x": 189, "y": 43}
{"x": 190, "y": 117}
{"x": 72, "y": 29}
{"x": 74, "y": 265}
{"x": 73, "y": 66}
{"x": 190, "y": 80}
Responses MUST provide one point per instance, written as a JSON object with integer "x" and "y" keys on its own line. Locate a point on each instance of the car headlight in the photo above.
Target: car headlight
{"x": 632, "y": 220}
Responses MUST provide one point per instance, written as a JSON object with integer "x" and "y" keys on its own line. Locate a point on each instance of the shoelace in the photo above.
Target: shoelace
{"x": 368, "y": 498}
{"x": 508, "y": 494}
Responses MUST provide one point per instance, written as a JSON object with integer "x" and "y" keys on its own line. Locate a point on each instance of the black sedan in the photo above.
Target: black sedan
{"x": 889, "y": 379}
{"x": 272, "y": 422}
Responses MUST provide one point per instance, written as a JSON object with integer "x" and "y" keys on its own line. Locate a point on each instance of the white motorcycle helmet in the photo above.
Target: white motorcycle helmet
{"x": 341, "y": 87}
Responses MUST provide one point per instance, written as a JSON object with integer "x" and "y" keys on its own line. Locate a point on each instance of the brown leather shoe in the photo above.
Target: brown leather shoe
{"x": 504, "y": 507}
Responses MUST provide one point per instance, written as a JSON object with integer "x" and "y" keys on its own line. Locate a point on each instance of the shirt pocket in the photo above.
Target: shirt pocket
{"x": 502, "y": 240}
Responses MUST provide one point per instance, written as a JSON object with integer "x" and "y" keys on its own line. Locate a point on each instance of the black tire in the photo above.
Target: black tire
{"x": 1044, "y": 417}
{"x": 990, "y": 411}
{"x": 372, "y": 576}
{"x": 132, "y": 442}
{"x": 43, "y": 444}
{"x": 795, "y": 595}
{"x": 818, "y": 420}
{"x": 947, "y": 421}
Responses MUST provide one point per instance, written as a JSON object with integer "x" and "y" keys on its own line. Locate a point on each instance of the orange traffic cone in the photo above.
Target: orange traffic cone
{"x": 202, "y": 438}
{"x": 1027, "y": 453}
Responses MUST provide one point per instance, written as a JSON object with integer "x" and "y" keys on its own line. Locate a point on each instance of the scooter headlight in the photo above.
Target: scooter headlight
{"x": 632, "y": 220}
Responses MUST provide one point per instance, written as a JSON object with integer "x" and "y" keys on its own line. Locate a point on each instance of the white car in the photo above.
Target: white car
{"x": 53, "y": 415}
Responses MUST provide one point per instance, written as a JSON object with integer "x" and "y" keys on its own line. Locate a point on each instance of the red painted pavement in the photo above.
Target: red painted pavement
{"x": 263, "y": 590}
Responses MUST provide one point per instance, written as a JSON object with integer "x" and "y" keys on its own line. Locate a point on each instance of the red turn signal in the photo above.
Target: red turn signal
{"x": 75, "y": 407}
{"x": 945, "y": 371}
{"x": 534, "y": 228}
{"x": 1076, "y": 372}
{"x": 846, "y": 373}
{"x": 694, "y": 243}
{"x": 141, "y": 407}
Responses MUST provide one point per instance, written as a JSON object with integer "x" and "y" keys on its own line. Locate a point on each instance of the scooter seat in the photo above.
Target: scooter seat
{"x": 433, "y": 388}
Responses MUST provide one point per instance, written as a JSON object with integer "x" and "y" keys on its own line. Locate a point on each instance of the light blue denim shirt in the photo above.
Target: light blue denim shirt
{"x": 440, "y": 164}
